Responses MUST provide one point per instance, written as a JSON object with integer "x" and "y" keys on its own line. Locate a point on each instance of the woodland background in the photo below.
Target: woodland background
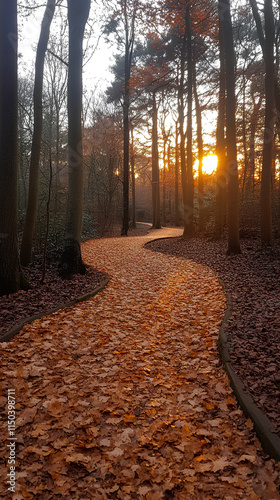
{"x": 191, "y": 82}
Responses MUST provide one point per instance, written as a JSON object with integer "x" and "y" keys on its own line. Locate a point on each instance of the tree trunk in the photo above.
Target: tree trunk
{"x": 261, "y": 37}
{"x": 200, "y": 157}
{"x": 9, "y": 262}
{"x": 57, "y": 167}
{"x": 126, "y": 143}
{"x": 176, "y": 195}
{"x": 272, "y": 96}
{"x": 127, "y": 68}
{"x": 9, "y": 259}
{"x": 250, "y": 184}
{"x": 181, "y": 118}
{"x": 188, "y": 230}
{"x": 155, "y": 169}
{"x": 78, "y": 11}
{"x": 169, "y": 182}
{"x": 233, "y": 205}
{"x": 221, "y": 174}
{"x": 164, "y": 182}
{"x": 244, "y": 131}
{"x": 30, "y": 218}
{"x": 133, "y": 211}
{"x": 265, "y": 200}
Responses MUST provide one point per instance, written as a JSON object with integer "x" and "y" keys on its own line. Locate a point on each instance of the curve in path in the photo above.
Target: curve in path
{"x": 124, "y": 397}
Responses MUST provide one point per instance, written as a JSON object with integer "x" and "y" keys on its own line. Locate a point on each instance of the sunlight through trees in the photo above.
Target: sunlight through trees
{"x": 184, "y": 133}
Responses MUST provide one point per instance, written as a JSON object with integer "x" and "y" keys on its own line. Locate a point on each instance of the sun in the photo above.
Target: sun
{"x": 209, "y": 164}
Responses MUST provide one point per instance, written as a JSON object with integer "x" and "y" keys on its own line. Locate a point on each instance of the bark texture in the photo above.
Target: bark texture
{"x": 188, "y": 226}
{"x": 129, "y": 43}
{"x": 221, "y": 176}
{"x": 176, "y": 197}
{"x": 200, "y": 155}
{"x": 133, "y": 186}
{"x": 30, "y": 218}
{"x": 232, "y": 170}
{"x": 9, "y": 259}
{"x": 78, "y": 11}
{"x": 266, "y": 39}
{"x": 265, "y": 201}
{"x": 126, "y": 104}
{"x": 181, "y": 120}
{"x": 155, "y": 168}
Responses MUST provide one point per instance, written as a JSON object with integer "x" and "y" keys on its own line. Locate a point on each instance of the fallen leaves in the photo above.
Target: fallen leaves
{"x": 252, "y": 279}
{"x": 127, "y": 398}
{"x": 44, "y": 297}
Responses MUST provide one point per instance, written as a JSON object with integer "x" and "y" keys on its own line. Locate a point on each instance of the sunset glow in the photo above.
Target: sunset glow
{"x": 209, "y": 164}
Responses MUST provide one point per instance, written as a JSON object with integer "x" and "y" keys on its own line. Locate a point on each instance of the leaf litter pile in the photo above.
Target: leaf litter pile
{"x": 124, "y": 396}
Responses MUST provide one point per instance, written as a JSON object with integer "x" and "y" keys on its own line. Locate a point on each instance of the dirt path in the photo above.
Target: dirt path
{"x": 124, "y": 397}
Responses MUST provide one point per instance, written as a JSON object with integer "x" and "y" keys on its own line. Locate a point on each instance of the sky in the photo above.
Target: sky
{"x": 97, "y": 76}
{"x": 96, "y": 71}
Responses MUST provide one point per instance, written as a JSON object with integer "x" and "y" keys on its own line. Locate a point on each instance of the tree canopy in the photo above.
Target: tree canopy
{"x": 206, "y": 72}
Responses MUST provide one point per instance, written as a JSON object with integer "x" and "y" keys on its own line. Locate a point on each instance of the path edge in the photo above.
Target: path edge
{"x": 16, "y": 329}
{"x": 263, "y": 427}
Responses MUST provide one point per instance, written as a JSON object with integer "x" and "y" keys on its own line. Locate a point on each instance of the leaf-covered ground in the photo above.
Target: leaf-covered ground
{"x": 253, "y": 330}
{"x": 124, "y": 396}
{"x": 45, "y": 296}
{"x": 54, "y": 291}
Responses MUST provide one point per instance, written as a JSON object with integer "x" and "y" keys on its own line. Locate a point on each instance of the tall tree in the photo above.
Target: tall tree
{"x": 146, "y": 79}
{"x": 199, "y": 153}
{"x": 176, "y": 166}
{"x": 186, "y": 163}
{"x": 155, "y": 166}
{"x": 153, "y": 77}
{"x": 221, "y": 176}
{"x": 266, "y": 39}
{"x": 181, "y": 120}
{"x": 188, "y": 20}
{"x": 78, "y": 12}
{"x": 133, "y": 192}
{"x": 9, "y": 259}
{"x": 188, "y": 220}
{"x": 124, "y": 13}
{"x": 232, "y": 170}
{"x": 252, "y": 153}
{"x": 30, "y": 218}
{"x": 57, "y": 71}
{"x": 129, "y": 42}
{"x": 266, "y": 216}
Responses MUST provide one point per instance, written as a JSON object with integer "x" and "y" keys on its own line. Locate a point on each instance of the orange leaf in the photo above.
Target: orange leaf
{"x": 129, "y": 418}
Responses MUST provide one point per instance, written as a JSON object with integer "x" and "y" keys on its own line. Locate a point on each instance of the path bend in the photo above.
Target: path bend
{"x": 124, "y": 396}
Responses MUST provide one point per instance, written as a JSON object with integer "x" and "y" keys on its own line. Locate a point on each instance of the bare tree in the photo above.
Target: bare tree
{"x": 266, "y": 39}
{"x": 9, "y": 260}
{"x": 78, "y": 12}
{"x": 155, "y": 166}
{"x": 221, "y": 179}
{"x": 129, "y": 25}
{"x": 233, "y": 205}
{"x": 30, "y": 218}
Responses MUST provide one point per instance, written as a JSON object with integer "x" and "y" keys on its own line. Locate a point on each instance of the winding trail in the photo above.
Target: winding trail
{"x": 124, "y": 396}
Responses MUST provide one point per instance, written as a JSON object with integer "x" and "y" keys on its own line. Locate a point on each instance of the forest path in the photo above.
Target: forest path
{"x": 124, "y": 396}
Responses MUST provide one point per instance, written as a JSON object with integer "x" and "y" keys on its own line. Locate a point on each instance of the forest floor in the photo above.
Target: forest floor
{"x": 54, "y": 291}
{"x": 253, "y": 330}
{"x": 124, "y": 396}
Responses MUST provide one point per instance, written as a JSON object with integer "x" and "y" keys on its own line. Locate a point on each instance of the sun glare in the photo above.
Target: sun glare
{"x": 209, "y": 164}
